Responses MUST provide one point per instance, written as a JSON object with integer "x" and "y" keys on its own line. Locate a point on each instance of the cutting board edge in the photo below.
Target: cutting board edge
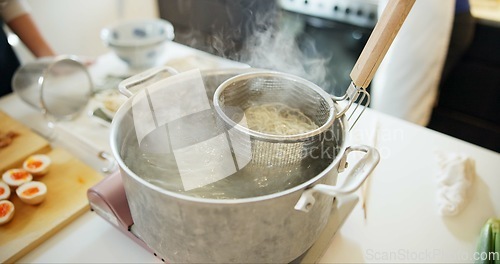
{"x": 13, "y": 258}
{"x": 19, "y": 162}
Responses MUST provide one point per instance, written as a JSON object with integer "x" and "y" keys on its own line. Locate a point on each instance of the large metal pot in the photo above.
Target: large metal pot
{"x": 276, "y": 227}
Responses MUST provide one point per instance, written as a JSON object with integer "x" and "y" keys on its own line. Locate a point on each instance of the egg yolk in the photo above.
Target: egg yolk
{"x": 2, "y": 190}
{"x": 4, "y": 209}
{"x": 30, "y": 191}
{"x": 19, "y": 175}
{"x": 34, "y": 164}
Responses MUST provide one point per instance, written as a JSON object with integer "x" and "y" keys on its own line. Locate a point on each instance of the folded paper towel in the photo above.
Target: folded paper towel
{"x": 456, "y": 173}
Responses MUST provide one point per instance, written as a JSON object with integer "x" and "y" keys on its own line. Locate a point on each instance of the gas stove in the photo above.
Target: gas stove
{"x": 361, "y": 13}
{"x": 109, "y": 201}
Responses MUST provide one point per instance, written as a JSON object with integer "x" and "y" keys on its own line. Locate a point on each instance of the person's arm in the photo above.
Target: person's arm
{"x": 25, "y": 28}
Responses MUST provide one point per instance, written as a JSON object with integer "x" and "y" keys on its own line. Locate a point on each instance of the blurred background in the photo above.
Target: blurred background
{"x": 317, "y": 39}
{"x": 73, "y": 27}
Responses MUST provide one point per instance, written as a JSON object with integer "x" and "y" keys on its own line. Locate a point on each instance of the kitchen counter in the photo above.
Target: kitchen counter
{"x": 401, "y": 224}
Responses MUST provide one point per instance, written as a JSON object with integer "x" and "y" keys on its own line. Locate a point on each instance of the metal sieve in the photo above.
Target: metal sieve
{"x": 60, "y": 87}
{"x": 237, "y": 94}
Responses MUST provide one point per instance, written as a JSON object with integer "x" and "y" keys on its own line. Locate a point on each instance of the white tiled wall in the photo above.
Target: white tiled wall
{"x": 73, "y": 27}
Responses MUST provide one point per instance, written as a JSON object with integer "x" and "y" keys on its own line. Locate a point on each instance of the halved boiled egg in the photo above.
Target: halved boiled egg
{"x": 33, "y": 192}
{"x": 6, "y": 211}
{"x": 37, "y": 165}
{"x": 4, "y": 191}
{"x": 16, "y": 177}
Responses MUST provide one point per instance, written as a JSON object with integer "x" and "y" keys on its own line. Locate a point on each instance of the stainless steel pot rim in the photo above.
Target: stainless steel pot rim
{"x": 120, "y": 114}
{"x": 272, "y": 137}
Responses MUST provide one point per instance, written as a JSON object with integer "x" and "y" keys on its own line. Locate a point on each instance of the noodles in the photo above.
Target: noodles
{"x": 278, "y": 119}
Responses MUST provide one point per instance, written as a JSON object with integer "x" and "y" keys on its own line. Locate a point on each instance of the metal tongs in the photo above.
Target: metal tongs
{"x": 380, "y": 40}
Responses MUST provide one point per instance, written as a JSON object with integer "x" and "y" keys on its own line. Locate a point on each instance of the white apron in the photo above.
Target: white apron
{"x": 406, "y": 83}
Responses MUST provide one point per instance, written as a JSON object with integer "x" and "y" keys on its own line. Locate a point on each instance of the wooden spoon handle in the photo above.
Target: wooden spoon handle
{"x": 380, "y": 40}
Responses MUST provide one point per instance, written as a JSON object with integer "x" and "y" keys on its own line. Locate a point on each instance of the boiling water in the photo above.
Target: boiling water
{"x": 251, "y": 181}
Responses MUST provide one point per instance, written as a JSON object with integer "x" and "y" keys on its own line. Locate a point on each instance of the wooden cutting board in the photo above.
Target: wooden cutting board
{"x": 25, "y": 144}
{"x": 67, "y": 183}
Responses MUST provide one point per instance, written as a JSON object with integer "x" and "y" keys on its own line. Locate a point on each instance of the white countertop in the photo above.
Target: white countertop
{"x": 402, "y": 224}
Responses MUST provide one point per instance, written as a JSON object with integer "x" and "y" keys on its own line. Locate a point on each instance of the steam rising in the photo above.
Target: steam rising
{"x": 273, "y": 45}
{"x": 261, "y": 36}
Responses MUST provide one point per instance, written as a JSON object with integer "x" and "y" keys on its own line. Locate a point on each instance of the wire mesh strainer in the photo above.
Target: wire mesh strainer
{"x": 237, "y": 94}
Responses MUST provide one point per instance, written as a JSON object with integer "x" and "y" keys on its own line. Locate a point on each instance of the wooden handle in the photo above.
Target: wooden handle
{"x": 380, "y": 40}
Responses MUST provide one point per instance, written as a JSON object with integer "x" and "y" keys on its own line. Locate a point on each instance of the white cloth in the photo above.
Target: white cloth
{"x": 456, "y": 173}
{"x": 406, "y": 83}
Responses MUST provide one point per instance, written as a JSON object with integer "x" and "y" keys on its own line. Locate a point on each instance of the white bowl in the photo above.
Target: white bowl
{"x": 139, "y": 42}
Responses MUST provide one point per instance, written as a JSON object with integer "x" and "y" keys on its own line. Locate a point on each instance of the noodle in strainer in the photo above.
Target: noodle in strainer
{"x": 286, "y": 116}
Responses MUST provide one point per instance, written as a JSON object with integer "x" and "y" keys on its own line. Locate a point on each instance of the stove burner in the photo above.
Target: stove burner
{"x": 361, "y": 13}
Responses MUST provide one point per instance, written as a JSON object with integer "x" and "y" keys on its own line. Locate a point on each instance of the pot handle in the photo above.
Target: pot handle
{"x": 112, "y": 165}
{"x": 353, "y": 181}
{"x": 130, "y": 86}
